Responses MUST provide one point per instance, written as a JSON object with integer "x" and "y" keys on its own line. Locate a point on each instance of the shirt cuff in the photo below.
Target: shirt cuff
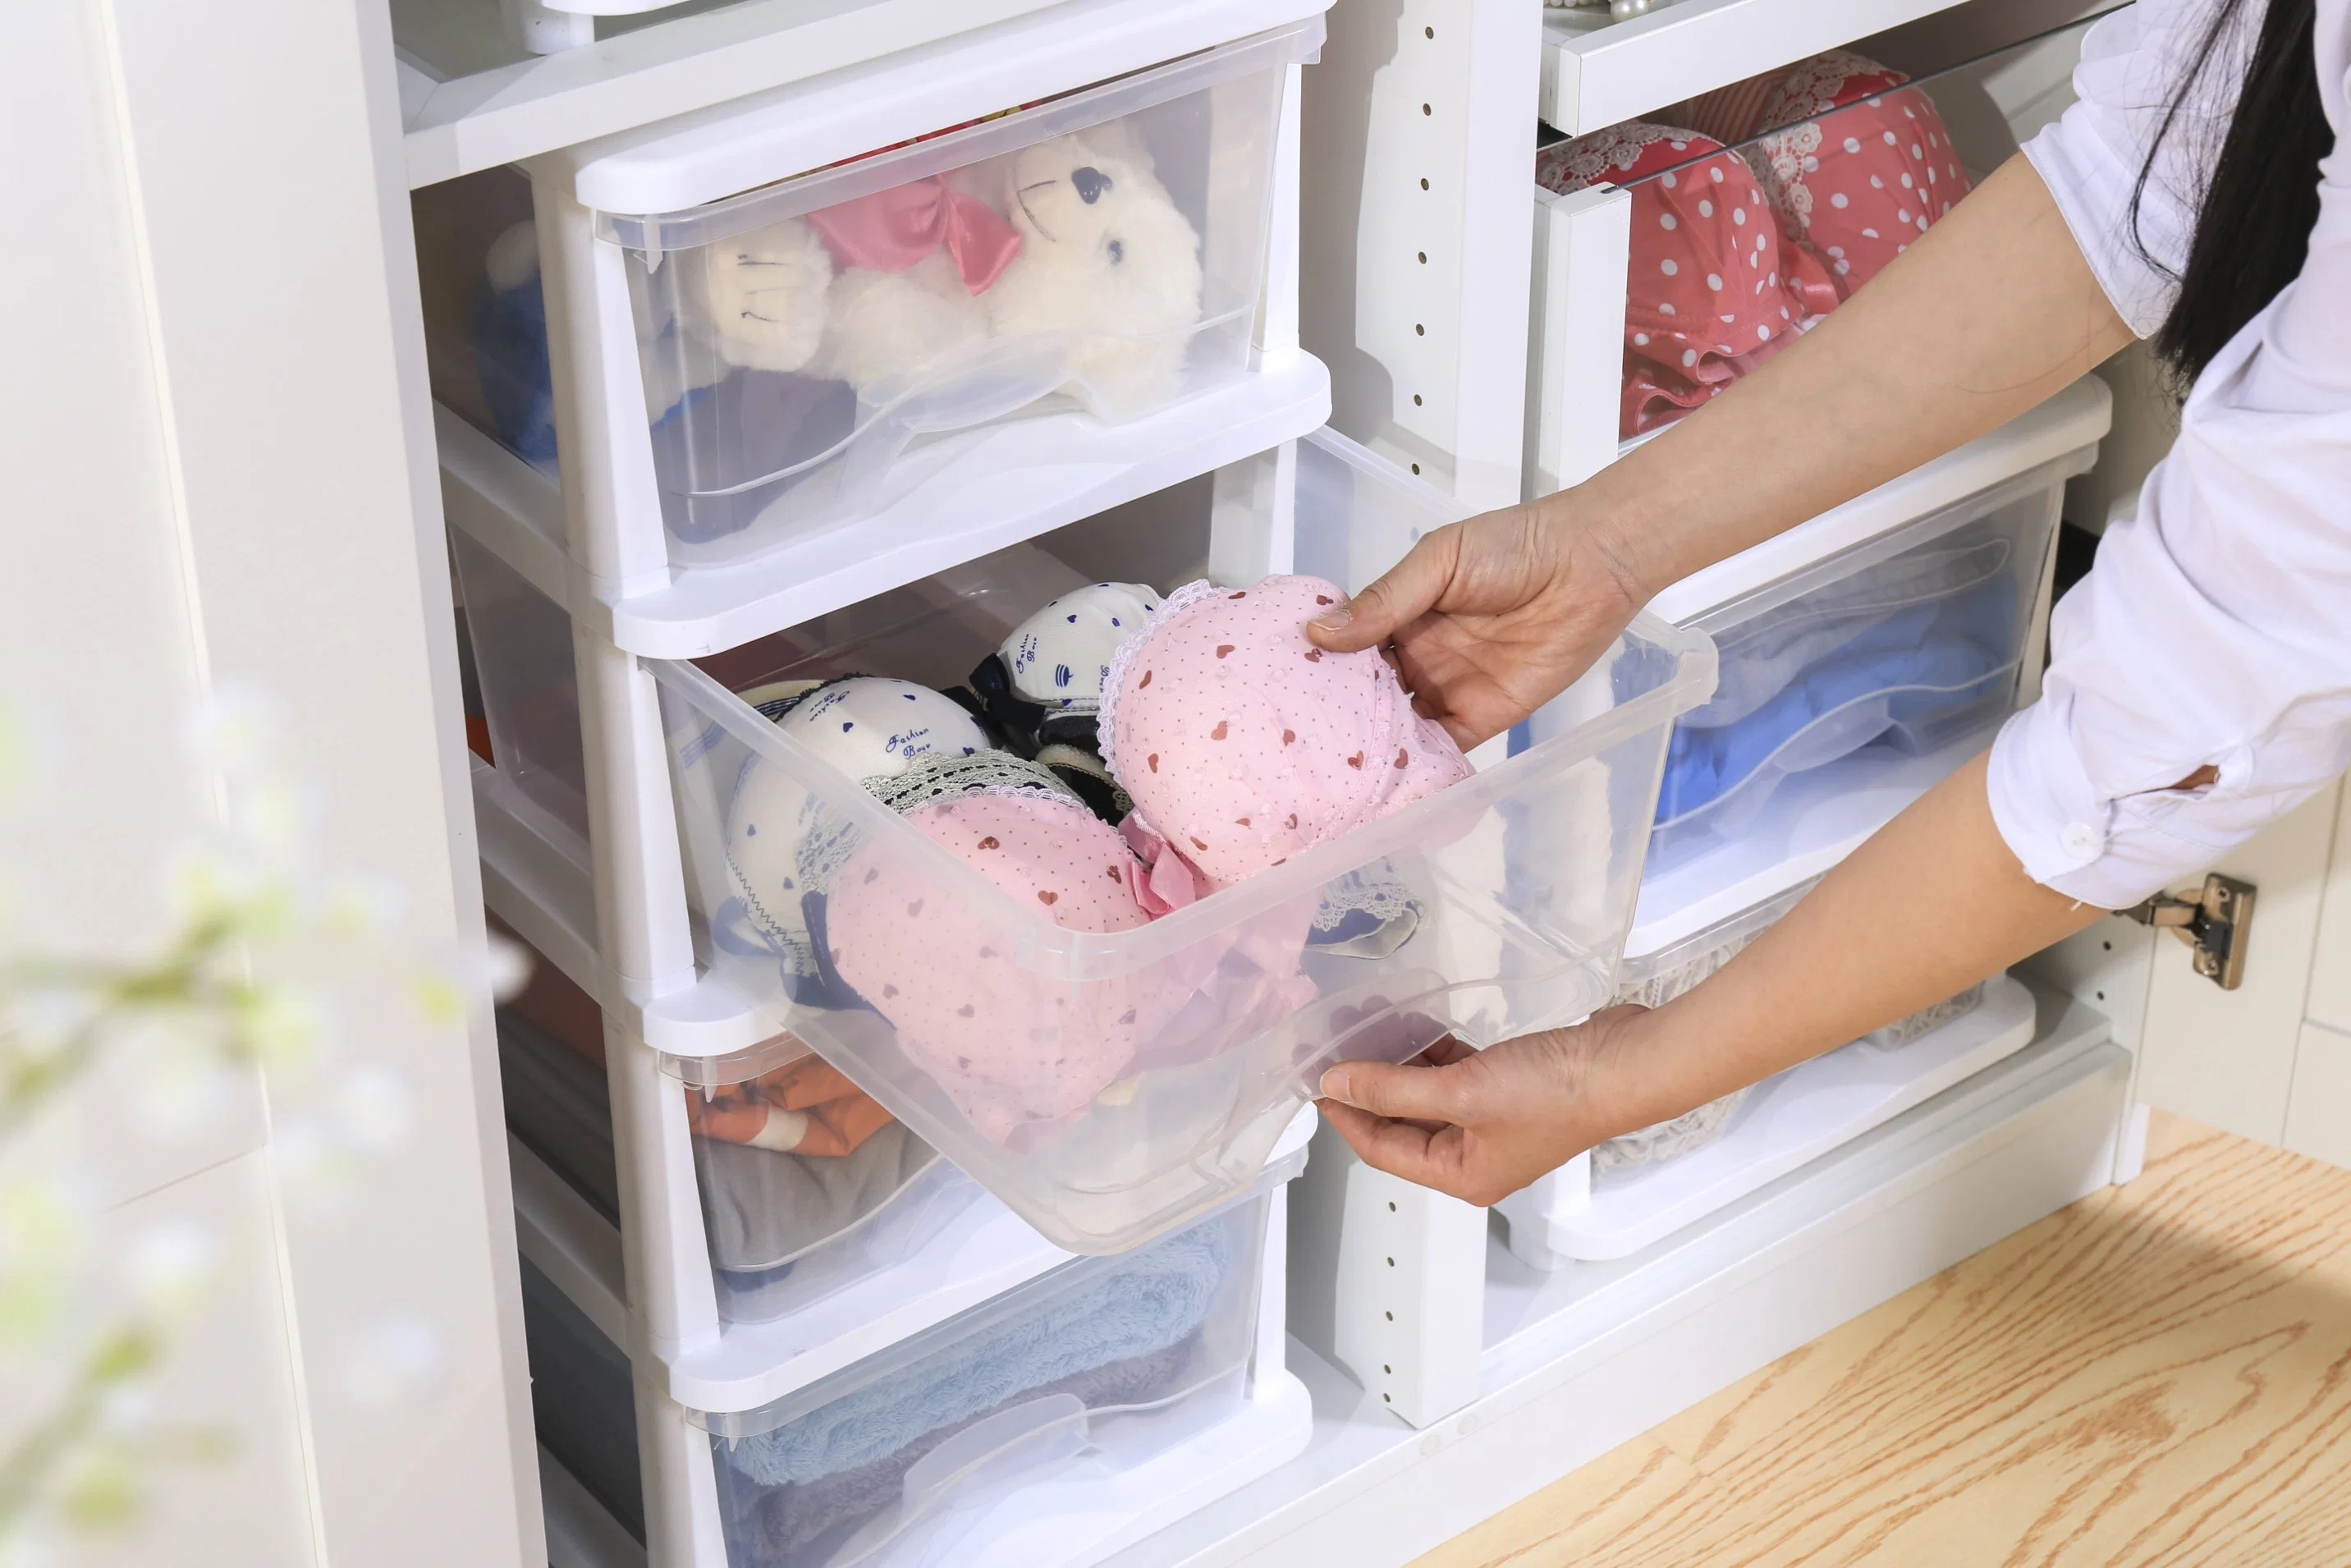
{"x": 2066, "y": 838}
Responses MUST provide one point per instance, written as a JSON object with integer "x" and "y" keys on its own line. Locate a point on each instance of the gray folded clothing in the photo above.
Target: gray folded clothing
{"x": 764, "y": 1209}
{"x": 787, "y": 1519}
{"x": 558, "y": 1103}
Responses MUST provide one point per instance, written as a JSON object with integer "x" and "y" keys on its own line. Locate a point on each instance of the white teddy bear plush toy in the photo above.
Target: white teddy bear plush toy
{"x": 1107, "y": 260}
{"x": 758, "y": 298}
{"x": 1106, "y": 254}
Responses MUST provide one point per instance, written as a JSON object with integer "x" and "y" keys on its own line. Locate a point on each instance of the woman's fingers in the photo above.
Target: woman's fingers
{"x": 1376, "y": 615}
{"x": 1418, "y": 1155}
{"x": 1420, "y": 1094}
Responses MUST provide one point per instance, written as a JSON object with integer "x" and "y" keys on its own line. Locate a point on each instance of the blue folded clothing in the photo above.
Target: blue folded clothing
{"x": 1140, "y": 1304}
{"x": 510, "y": 333}
{"x": 1943, "y": 652}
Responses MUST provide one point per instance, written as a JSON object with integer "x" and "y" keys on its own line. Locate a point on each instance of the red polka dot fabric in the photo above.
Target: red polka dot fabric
{"x": 1008, "y": 1045}
{"x": 1870, "y": 170}
{"x": 1242, "y": 743}
{"x": 1735, "y": 251}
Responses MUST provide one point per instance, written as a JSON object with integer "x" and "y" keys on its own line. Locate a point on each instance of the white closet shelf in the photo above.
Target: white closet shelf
{"x": 983, "y": 1251}
{"x": 1596, "y": 72}
{"x": 471, "y": 101}
{"x": 1011, "y": 482}
{"x": 1581, "y": 1359}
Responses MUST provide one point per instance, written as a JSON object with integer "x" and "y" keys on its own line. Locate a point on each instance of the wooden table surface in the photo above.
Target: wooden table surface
{"x": 2160, "y": 1373}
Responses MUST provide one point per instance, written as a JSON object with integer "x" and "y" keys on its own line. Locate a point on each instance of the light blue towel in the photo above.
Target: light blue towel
{"x": 1141, "y": 1303}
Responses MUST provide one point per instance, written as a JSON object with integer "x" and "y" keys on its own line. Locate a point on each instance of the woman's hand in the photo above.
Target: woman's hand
{"x": 1493, "y": 617}
{"x": 1480, "y": 1124}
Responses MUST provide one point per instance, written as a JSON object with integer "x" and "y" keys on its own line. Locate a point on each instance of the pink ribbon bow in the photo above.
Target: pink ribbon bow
{"x": 1168, "y": 881}
{"x": 891, "y": 230}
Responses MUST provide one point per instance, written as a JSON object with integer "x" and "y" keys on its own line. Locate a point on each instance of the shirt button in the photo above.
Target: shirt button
{"x": 2082, "y": 840}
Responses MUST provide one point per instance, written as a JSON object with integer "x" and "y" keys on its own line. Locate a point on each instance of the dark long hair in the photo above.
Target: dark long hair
{"x": 2261, "y": 199}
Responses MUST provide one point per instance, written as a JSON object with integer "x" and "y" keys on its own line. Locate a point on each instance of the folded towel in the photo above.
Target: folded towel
{"x": 1139, "y": 1304}
{"x": 786, "y": 1518}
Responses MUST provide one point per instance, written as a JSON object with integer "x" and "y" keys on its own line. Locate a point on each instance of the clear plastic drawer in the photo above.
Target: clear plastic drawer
{"x": 816, "y": 348}
{"x": 1017, "y": 1433}
{"x": 1902, "y": 651}
{"x": 1750, "y": 212}
{"x": 1107, "y": 1085}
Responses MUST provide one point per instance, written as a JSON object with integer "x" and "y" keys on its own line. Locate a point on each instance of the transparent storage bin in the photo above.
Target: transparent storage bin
{"x": 807, "y": 1184}
{"x": 1653, "y": 979}
{"x": 812, "y": 348}
{"x": 583, "y": 1399}
{"x": 1192, "y": 1039}
{"x": 1760, "y": 207}
{"x": 1019, "y": 1432}
{"x": 1907, "y": 646}
{"x": 1584, "y": 1213}
{"x": 523, "y": 666}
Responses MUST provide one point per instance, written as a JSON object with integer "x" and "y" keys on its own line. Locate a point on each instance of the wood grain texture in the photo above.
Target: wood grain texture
{"x": 2157, "y": 1375}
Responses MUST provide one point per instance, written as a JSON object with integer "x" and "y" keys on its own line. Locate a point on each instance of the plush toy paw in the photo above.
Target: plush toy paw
{"x": 1106, "y": 257}
{"x": 759, "y": 297}
{"x": 887, "y": 328}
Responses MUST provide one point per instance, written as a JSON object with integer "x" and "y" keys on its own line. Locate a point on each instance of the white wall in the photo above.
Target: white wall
{"x": 216, "y": 467}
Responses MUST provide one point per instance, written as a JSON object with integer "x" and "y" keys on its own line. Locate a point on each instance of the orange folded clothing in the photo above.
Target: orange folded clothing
{"x": 804, "y": 1107}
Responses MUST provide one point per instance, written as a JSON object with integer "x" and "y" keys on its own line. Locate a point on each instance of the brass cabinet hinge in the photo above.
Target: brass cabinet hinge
{"x": 2213, "y": 920}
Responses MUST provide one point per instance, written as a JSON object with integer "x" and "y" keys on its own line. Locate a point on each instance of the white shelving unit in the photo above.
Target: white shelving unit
{"x": 1596, "y": 72}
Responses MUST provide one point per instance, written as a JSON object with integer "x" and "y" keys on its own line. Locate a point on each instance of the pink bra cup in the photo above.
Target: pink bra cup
{"x": 1242, "y": 743}
{"x": 942, "y": 971}
{"x": 1712, "y": 291}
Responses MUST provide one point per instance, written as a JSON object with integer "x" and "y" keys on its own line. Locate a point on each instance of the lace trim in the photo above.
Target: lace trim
{"x": 1668, "y": 1140}
{"x": 1570, "y": 166}
{"x": 1382, "y": 899}
{"x": 1123, "y": 656}
{"x": 1781, "y": 171}
{"x": 938, "y": 778}
{"x": 1811, "y": 87}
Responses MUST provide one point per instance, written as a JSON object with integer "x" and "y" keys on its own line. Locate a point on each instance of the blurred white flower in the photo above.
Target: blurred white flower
{"x": 396, "y": 1357}
{"x": 170, "y": 1267}
{"x": 374, "y": 1108}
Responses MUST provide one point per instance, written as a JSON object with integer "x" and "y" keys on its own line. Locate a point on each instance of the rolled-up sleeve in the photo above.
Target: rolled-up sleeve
{"x": 2215, "y": 628}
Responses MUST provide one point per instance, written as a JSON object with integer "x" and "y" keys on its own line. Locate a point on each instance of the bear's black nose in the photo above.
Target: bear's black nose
{"x": 1091, "y": 183}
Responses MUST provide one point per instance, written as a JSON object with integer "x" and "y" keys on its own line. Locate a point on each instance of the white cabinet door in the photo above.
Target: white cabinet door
{"x": 2227, "y": 1058}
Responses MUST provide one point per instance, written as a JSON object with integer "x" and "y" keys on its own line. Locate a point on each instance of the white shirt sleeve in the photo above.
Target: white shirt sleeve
{"x": 2216, "y": 626}
{"x": 2091, "y": 158}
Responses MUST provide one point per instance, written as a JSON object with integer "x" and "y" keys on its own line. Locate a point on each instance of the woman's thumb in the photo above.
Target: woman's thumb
{"x": 1411, "y": 1093}
{"x": 1398, "y": 599}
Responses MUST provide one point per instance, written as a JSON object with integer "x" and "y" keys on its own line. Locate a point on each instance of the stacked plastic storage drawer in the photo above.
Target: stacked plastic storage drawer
{"x": 1865, "y": 655}
{"x": 812, "y": 1118}
{"x": 1741, "y": 218}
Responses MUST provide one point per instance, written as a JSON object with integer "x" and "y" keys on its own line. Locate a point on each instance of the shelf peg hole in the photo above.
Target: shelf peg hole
{"x": 1416, "y": 402}
{"x": 1425, "y": 109}
{"x": 1415, "y": 467}
{"x": 1424, "y": 258}
{"x": 1428, "y": 32}
{"x": 1423, "y": 183}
